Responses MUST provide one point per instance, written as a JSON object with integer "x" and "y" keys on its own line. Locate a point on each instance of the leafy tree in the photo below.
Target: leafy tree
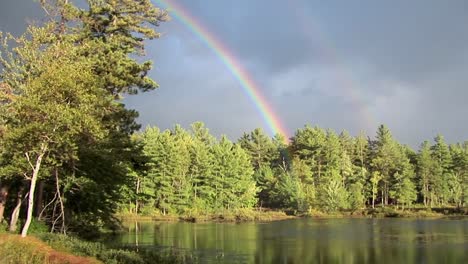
{"x": 356, "y": 196}
{"x": 48, "y": 122}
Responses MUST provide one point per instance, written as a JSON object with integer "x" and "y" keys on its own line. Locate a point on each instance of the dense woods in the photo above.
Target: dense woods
{"x": 185, "y": 172}
{"x": 64, "y": 134}
{"x": 71, "y": 156}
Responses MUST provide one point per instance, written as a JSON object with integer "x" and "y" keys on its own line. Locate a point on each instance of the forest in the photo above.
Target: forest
{"x": 190, "y": 172}
{"x": 72, "y": 156}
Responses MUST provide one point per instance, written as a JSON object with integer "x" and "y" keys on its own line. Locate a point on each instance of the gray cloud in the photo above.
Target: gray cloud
{"x": 15, "y": 15}
{"x": 338, "y": 64}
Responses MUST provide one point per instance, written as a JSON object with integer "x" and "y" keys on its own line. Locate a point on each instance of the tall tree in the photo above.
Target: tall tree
{"x": 57, "y": 102}
{"x": 425, "y": 169}
{"x": 260, "y": 147}
{"x": 442, "y": 171}
{"x": 384, "y": 155}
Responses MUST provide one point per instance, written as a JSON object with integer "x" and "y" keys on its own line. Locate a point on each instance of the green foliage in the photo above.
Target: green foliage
{"x": 289, "y": 192}
{"x": 189, "y": 173}
{"x": 356, "y": 197}
{"x": 114, "y": 256}
{"x": 26, "y": 252}
{"x": 58, "y": 113}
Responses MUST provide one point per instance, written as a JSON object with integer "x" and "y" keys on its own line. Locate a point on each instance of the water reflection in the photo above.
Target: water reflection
{"x": 310, "y": 240}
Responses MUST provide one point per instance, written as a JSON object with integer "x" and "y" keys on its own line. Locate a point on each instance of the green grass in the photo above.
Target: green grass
{"x": 113, "y": 256}
{"x": 15, "y": 249}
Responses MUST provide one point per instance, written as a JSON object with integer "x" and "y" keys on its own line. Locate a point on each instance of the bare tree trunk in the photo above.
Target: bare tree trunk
{"x": 430, "y": 201}
{"x": 137, "y": 192}
{"x": 16, "y": 211}
{"x": 383, "y": 197}
{"x": 3, "y": 199}
{"x": 32, "y": 188}
{"x": 61, "y": 216}
{"x": 386, "y": 193}
{"x": 426, "y": 192}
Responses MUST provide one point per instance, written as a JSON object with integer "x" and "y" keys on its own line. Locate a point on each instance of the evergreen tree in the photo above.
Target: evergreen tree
{"x": 201, "y": 167}
{"x": 442, "y": 170}
{"x": 260, "y": 147}
{"x": 233, "y": 174}
{"x": 384, "y": 158}
{"x": 403, "y": 188}
{"x": 425, "y": 169}
{"x": 459, "y": 170}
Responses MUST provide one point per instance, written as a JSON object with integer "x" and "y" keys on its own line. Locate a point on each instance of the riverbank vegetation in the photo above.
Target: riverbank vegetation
{"x": 190, "y": 173}
{"x": 57, "y": 249}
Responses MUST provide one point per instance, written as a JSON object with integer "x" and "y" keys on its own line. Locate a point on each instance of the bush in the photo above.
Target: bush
{"x": 15, "y": 249}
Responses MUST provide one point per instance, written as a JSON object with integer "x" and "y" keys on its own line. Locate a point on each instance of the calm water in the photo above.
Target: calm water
{"x": 309, "y": 240}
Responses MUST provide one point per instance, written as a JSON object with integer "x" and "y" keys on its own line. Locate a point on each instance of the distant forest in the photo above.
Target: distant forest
{"x": 182, "y": 171}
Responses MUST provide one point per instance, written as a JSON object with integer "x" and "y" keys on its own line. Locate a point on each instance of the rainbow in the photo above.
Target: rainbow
{"x": 247, "y": 83}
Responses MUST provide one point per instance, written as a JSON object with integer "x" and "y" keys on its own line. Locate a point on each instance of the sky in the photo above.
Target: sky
{"x": 336, "y": 64}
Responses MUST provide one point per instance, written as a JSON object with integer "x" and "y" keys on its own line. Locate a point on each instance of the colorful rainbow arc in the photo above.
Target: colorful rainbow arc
{"x": 246, "y": 81}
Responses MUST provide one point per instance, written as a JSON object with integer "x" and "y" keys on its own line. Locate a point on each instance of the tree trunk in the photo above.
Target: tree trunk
{"x": 16, "y": 211}
{"x": 386, "y": 193}
{"x": 40, "y": 198}
{"x": 382, "y": 193}
{"x": 3, "y": 199}
{"x": 32, "y": 188}
{"x": 137, "y": 192}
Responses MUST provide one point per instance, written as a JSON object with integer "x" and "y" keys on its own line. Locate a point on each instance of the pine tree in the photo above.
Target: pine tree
{"x": 403, "y": 188}
{"x": 425, "y": 169}
{"x": 458, "y": 175}
{"x": 331, "y": 192}
{"x": 201, "y": 167}
{"x": 442, "y": 171}
{"x": 261, "y": 149}
{"x": 384, "y": 158}
{"x": 308, "y": 144}
{"x": 233, "y": 176}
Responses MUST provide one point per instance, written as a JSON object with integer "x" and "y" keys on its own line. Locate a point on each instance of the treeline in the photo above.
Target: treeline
{"x": 64, "y": 133}
{"x": 184, "y": 172}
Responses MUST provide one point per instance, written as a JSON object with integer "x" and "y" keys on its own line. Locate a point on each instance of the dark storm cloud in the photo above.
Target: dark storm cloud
{"x": 339, "y": 64}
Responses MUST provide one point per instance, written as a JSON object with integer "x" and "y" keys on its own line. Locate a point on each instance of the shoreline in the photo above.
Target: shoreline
{"x": 229, "y": 217}
{"x": 270, "y": 216}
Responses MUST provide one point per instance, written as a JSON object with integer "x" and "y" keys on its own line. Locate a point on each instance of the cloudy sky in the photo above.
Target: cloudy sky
{"x": 336, "y": 64}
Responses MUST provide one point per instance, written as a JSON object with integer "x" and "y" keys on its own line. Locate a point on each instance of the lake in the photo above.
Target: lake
{"x": 308, "y": 240}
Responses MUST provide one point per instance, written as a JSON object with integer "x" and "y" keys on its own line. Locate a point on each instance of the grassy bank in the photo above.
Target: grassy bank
{"x": 382, "y": 212}
{"x": 266, "y": 215}
{"x": 15, "y": 249}
{"x": 58, "y": 249}
{"x": 240, "y": 215}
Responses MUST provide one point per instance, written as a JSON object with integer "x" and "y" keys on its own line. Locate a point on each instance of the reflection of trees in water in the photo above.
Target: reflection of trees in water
{"x": 311, "y": 240}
